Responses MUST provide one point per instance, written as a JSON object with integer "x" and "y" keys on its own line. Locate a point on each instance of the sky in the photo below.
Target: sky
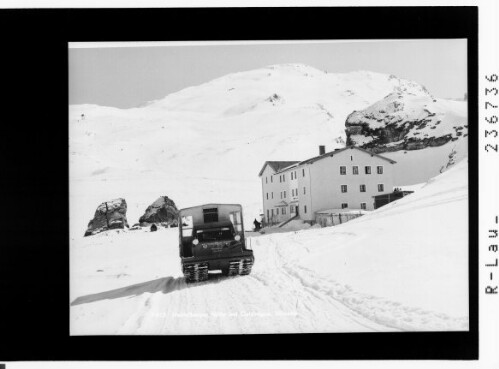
{"x": 126, "y": 77}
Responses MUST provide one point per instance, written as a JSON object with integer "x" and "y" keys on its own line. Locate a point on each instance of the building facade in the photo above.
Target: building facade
{"x": 346, "y": 178}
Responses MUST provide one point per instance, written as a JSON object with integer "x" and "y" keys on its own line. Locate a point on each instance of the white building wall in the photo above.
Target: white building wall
{"x": 268, "y": 189}
{"x": 293, "y": 191}
{"x": 327, "y": 180}
{"x": 273, "y": 187}
{"x": 304, "y": 192}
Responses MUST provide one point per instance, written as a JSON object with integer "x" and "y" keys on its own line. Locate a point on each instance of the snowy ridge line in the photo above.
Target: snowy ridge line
{"x": 382, "y": 311}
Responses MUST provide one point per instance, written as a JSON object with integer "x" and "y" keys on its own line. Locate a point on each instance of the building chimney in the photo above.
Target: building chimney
{"x": 322, "y": 150}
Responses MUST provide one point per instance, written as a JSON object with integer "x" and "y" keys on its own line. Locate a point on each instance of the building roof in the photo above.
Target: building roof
{"x": 277, "y": 165}
{"x": 280, "y": 166}
{"x": 337, "y": 151}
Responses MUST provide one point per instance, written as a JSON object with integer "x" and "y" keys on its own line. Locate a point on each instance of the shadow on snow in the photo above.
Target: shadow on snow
{"x": 164, "y": 285}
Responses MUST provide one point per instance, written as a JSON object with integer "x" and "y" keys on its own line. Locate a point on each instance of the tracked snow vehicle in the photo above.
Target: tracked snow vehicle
{"x": 212, "y": 238}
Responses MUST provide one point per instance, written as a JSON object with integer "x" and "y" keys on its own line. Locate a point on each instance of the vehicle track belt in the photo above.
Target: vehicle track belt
{"x": 240, "y": 267}
{"x": 196, "y": 272}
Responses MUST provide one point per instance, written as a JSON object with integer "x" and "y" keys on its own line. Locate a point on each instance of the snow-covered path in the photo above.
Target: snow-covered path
{"x": 272, "y": 299}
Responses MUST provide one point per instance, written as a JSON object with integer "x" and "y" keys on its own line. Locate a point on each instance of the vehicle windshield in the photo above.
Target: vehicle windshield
{"x": 215, "y": 234}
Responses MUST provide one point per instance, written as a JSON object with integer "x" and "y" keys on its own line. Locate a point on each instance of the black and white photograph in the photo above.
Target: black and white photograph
{"x": 268, "y": 187}
{"x": 250, "y": 184}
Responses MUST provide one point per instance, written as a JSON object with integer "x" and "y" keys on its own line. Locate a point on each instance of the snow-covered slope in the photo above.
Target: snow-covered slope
{"x": 207, "y": 143}
{"x": 401, "y": 267}
{"x": 417, "y": 166}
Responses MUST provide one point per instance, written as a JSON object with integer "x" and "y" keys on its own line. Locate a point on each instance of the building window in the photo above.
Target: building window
{"x": 266, "y": 179}
{"x": 267, "y": 195}
{"x": 284, "y": 177}
{"x": 304, "y": 190}
{"x": 362, "y": 188}
{"x": 272, "y": 212}
{"x": 283, "y": 211}
{"x": 368, "y": 169}
{"x": 272, "y": 194}
{"x": 284, "y": 194}
{"x": 363, "y": 206}
{"x": 271, "y": 179}
{"x": 291, "y": 175}
{"x": 292, "y": 209}
{"x": 381, "y": 187}
{"x": 344, "y": 205}
{"x": 280, "y": 194}
{"x": 355, "y": 169}
{"x": 343, "y": 188}
{"x": 268, "y": 216}
{"x": 303, "y": 172}
{"x": 305, "y": 209}
{"x": 343, "y": 170}
{"x": 380, "y": 169}
{"x": 295, "y": 175}
{"x": 351, "y": 157}
{"x": 280, "y": 179}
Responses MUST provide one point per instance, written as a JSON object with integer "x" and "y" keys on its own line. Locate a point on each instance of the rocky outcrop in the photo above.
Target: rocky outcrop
{"x": 109, "y": 215}
{"x": 404, "y": 121}
{"x": 162, "y": 211}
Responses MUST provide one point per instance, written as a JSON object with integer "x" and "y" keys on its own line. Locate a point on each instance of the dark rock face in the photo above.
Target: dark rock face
{"x": 396, "y": 135}
{"x": 109, "y": 215}
{"x": 162, "y": 211}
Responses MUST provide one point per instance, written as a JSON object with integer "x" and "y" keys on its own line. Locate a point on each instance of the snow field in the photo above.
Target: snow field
{"x": 400, "y": 267}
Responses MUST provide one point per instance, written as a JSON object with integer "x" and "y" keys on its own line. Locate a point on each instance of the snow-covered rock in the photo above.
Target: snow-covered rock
{"x": 407, "y": 121}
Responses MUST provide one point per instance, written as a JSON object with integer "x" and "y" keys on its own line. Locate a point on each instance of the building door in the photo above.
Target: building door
{"x": 297, "y": 210}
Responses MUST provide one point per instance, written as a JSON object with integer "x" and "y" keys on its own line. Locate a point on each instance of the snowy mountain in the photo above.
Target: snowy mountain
{"x": 207, "y": 143}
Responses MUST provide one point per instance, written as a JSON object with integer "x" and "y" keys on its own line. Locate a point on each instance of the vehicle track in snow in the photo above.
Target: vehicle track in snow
{"x": 272, "y": 299}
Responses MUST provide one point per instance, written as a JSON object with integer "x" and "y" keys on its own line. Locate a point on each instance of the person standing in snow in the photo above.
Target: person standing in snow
{"x": 257, "y": 225}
